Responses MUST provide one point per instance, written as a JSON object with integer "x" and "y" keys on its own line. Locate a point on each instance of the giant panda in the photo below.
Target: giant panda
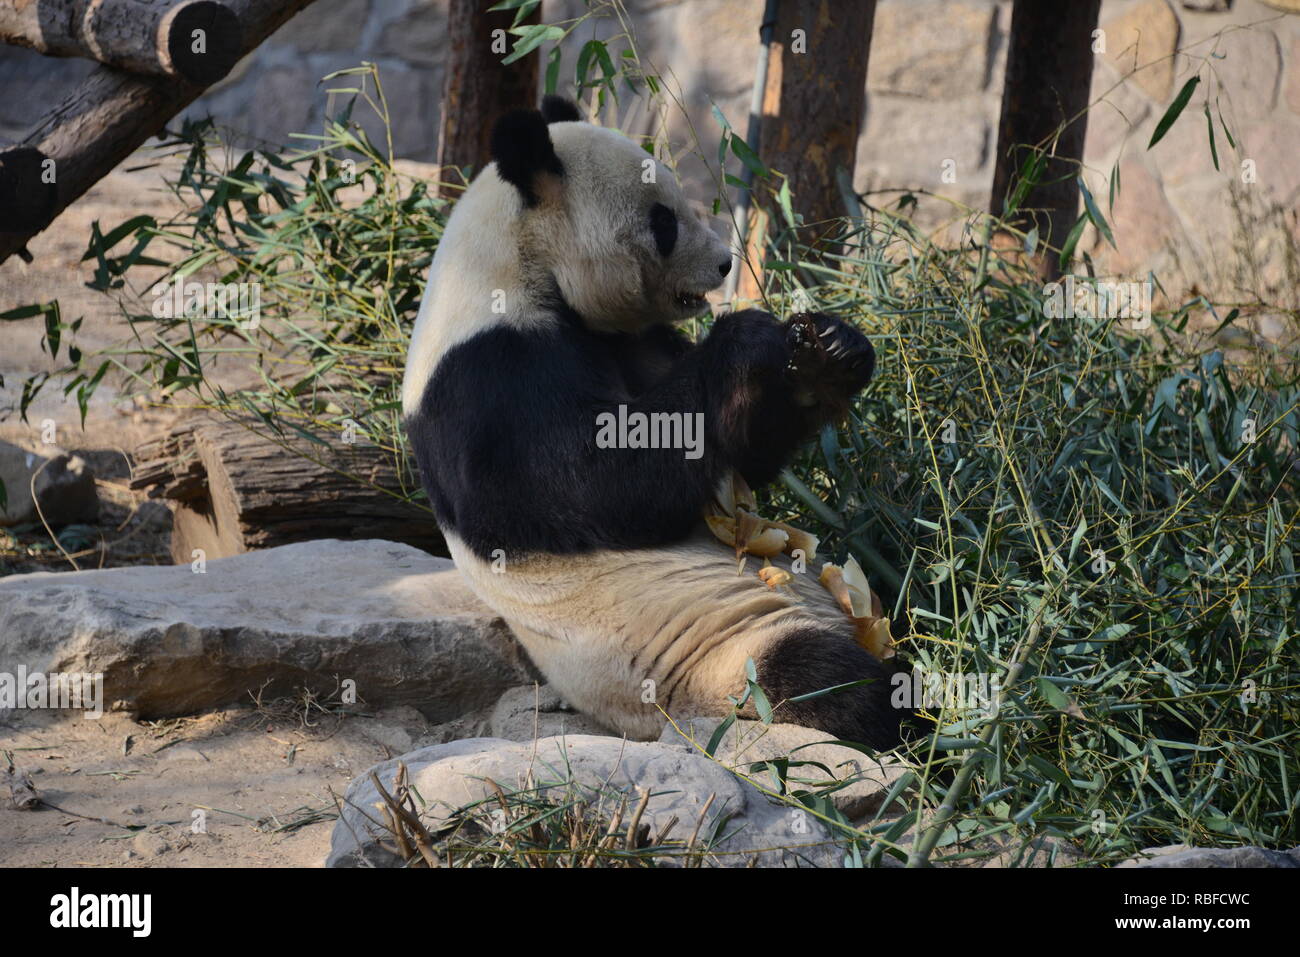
{"x": 552, "y": 299}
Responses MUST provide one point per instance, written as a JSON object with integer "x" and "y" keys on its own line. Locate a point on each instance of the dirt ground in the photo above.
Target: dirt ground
{"x": 234, "y": 788}
{"x": 113, "y": 791}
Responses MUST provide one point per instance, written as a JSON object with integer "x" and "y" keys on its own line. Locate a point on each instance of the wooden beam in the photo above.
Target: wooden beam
{"x": 103, "y": 122}
{"x": 198, "y": 40}
{"x": 1048, "y": 77}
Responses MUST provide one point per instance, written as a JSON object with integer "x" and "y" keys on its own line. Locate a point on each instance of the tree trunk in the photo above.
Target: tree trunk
{"x": 102, "y": 123}
{"x": 478, "y": 88}
{"x": 1048, "y": 78}
{"x": 198, "y": 40}
{"x": 812, "y": 111}
{"x": 236, "y": 490}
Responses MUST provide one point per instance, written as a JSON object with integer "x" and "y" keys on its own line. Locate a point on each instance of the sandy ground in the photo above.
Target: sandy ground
{"x": 115, "y": 792}
{"x": 233, "y": 788}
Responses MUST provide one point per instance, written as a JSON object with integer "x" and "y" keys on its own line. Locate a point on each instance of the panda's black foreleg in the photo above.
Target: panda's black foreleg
{"x": 641, "y": 497}
{"x": 762, "y": 391}
{"x": 773, "y": 385}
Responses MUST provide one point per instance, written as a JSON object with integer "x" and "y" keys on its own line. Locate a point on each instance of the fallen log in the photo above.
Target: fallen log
{"x": 103, "y": 122}
{"x": 197, "y": 40}
{"x": 236, "y": 490}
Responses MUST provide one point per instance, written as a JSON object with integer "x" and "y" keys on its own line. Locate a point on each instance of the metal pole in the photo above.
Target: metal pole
{"x": 752, "y": 133}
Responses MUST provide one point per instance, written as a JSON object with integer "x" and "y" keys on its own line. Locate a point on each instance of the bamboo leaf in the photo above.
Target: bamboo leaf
{"x": 1174, "y": 111}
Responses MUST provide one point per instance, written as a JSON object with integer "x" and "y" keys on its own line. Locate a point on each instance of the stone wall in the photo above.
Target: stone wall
{"x": 934, "y": 88}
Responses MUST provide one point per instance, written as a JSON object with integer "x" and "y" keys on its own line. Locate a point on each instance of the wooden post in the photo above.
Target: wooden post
{"x": 197, "y": 40}
{"x": 1048, "y": 78}
{"x": 103, "y": 122}
{"x": 478, "y": 88}
{"x": 813, "y": 106}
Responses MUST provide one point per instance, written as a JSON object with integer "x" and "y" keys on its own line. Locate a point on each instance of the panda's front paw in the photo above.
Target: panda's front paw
{"x": 828, "y": 356}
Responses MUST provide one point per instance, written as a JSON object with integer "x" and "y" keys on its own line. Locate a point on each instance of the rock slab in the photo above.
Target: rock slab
{"x": 860, "y": 780}
{"x": 536, "y": 711}
{"x": 174, "y": 640}
{"x": 1180, "y": 855}
{"x": 752, "y": 827}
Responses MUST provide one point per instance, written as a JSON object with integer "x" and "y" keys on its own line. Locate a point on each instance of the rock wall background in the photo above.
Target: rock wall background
{"x": 933, "y": 97}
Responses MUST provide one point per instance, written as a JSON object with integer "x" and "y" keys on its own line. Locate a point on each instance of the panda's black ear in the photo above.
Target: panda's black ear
{"x": 559, "y": 109}
{"x": 524, "y": 154}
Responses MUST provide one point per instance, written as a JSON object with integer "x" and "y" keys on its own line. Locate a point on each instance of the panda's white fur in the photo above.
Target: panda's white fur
{"x": 622, "y": 634}
{"x": 549, "y": 282}
{"x": 598, "y": 271}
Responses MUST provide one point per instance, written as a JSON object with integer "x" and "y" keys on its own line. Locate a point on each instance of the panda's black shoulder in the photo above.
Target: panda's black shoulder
{"x": 503, "y": 387}
{"x": 505, "y": 368}
{"x": 489, "y": 399}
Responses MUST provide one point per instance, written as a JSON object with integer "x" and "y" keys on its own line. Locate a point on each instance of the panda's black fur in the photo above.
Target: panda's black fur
{"x": 553, "y": 490}
{"x": 504, "y": 434}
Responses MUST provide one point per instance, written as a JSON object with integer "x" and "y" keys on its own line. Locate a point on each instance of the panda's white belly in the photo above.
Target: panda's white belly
{"x": 622, "y": 634}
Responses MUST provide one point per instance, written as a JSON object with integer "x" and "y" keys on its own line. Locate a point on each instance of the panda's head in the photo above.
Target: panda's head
{"x": 602, "y": 222}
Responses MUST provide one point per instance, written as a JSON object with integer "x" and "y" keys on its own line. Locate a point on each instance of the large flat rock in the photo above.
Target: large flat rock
{"x": 749, "y": 826}
{"x": 169, "y": 641}
{"x": 1180, "y": 855}
{"x": 855, "y": 781}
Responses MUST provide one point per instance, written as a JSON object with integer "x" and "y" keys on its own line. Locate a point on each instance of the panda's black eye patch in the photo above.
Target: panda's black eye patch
{"x": 663, "y": 223}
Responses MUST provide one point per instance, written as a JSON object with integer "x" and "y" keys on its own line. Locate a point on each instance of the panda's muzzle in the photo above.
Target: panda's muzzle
{"x": 690, "y": 300}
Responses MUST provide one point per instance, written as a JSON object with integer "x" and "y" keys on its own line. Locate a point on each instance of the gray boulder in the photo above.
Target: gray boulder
{"x": 169, "y": 641}
{"x": 64, "y": 487}
{"x": 863, "y": 780}
{"x": 447, "y": 777}
{"x": 1180, "y": 855}
{"x": 536, "y": 711}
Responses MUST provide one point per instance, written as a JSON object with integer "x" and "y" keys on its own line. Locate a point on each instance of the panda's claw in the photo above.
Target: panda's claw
{"x": 829, "y": 354}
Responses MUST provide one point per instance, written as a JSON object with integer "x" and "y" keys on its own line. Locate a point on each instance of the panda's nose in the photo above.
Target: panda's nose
{"x": 724, "y": 268}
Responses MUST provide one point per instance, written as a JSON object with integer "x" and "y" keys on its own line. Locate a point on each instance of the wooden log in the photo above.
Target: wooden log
{"x": 478, "y": 88}
{"x": 198, "y": 40}
{"x": 236, "y": 490}
{"x": 107, "y": 118}
{"x": 1048, "y": 76}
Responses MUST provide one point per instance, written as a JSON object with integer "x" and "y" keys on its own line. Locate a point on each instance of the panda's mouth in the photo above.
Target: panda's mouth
{"x": 692, "y": 301}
